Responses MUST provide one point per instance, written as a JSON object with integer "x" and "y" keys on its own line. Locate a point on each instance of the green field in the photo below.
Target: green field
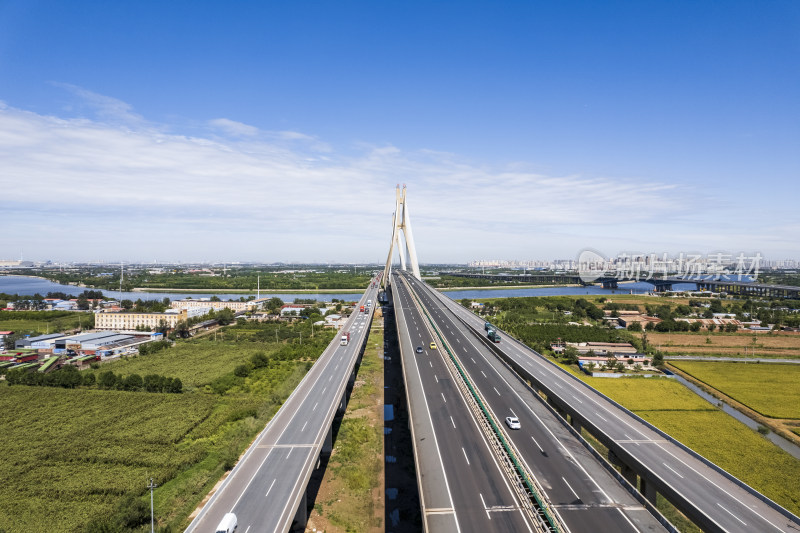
{"x": 75, "y": 457}
{"x": 70, "y": 454}
{"x": 710, "y": 432}
{"x": 41, "y": 322}
{"x": 770, "y": 389}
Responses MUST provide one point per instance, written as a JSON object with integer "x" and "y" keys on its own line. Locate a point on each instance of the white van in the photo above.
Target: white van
{"x": 228, "y": 524}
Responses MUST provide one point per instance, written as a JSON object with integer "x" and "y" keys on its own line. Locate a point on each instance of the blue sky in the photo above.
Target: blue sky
{"x": 277, "y": 131}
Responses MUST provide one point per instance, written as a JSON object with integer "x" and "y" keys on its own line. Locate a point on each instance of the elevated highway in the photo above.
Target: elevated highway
{"x": 463, "y": 485}
{"x": 267, "y": 488}
{"x": 709, "y": 496}
{"x": 584, "y": 493}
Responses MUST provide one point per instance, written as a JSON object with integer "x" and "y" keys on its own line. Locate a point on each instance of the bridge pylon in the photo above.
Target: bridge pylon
{"x": 405, "y": 247}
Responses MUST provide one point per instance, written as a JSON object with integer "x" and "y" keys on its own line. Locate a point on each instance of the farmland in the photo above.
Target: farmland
{"x": 772, "y": 390}
{"x": 41, "y": 322}
{"x": 80, "y": 458}
{"x": 710, "y": 432}
{"x": 762, "y": 345}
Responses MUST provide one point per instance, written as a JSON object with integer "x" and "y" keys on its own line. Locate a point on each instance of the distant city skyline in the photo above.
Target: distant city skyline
{"x": 277, "y": 133}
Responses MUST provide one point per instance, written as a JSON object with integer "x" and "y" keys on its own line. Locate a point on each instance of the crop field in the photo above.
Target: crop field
{"x": 196, "y": 363}
{"x": 42, "y": 322}
{"x": 782, "y": 345}
{"x": 70, "y": 454}
{"x": 715, "y": 435}
{"x": 770, "y": 389}
{"x": 74, "y": 457}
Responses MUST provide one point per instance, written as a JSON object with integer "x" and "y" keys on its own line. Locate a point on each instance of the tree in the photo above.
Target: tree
{"x": 107, "y": 380}
{"x": 712, "y": 327}
{"x": 619, "y": 366}
{"x": 635, "y": 326}
{"x": 83, "y": 303}
{"x": 174, "y": 385}
{"x": 225, "y": 316}
{"x": 89, "y": 379}
{"x": 126, "y": 304}
{"x": 658, "y": 359}
{"x": 133, "y": 382}
{"x": 571, "y": 355}
{"x": 215, "y": 298}
{"x": 241, "y": 371}
{"x": 695, "y": 326}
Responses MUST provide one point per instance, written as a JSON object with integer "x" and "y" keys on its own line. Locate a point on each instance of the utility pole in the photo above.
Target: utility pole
{"x": 151, "y": 486}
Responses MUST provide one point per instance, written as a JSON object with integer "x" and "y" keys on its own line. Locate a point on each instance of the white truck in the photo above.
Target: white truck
{"x": 345, "y": 338}
{"x": 227, "y": 524}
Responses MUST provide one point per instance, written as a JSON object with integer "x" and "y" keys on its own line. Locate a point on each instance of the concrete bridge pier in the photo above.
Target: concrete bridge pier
{"x": 612, "y": 284}
{"x": 626, "y": 471}
{"x": 556, "y": 408}
{"x": 575, "y": 423}
{"x": 648, "y": 489}
{"x": 301, "y": 516}
{"x": 327, "y": 446}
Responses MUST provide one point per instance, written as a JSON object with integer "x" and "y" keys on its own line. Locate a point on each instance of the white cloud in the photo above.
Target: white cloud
{"x": 121, "y": 191}
{"x": 231, "y": 127}
{"x": 106, "y": 107}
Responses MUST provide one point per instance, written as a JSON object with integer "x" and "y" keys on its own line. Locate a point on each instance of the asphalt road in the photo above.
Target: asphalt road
{"x": 267, "y": 486}
{"x": 725, "y": 504}
{"x": 462, "y": 486}
{"x": 585, "y": 495}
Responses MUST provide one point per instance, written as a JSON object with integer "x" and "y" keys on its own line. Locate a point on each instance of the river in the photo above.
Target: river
{"x": 26, "y": 285}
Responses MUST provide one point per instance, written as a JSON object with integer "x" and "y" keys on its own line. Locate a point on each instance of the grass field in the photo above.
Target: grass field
{"x": 770, "y": 389}
{"x": 195, "y": 362}
{"x": 713, "y": 434}
{"x": 351, "y": 494}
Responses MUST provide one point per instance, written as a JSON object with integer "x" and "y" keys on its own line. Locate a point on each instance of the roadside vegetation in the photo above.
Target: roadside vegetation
{"x": 78, "y": 459}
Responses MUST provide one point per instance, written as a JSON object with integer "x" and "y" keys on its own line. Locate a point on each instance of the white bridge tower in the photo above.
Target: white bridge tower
{"x": 405, "y": 247}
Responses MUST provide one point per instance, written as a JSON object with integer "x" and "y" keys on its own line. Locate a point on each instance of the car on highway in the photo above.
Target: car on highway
{"x": 433, "y": 346}
{"x": 419, "y": 349}
{"x": 513, "y": 422}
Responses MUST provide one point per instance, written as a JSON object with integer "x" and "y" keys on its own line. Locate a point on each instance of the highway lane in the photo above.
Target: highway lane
{"x": 478, "y": 495}
{"x": 722, "y": 503}
{"x": 583, "y": 492}
{"x": 268, "y": 484}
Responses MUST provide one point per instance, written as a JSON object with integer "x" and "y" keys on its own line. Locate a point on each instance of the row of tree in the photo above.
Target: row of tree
{"x": 69, "y": 377}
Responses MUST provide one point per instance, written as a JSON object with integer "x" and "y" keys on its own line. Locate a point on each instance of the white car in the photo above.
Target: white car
{"x": 513, "y": 422}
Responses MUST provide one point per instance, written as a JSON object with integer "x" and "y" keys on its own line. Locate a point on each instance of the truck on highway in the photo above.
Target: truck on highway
{"x": 227, "y": 524}
{"x": 369, "y": 303}
{"x": 493, "y": 336}
{"x": 345, "y": 338}
{"x": 362, "y": 309}
{"x": 487, "y": 326}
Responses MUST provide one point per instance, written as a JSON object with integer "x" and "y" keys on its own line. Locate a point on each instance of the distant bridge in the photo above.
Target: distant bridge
{"x": 743, "y": 288}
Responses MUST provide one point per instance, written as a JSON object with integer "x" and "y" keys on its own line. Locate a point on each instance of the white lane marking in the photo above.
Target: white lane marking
{"x": 290, "y": 452}
{"x": 246, "y": 530}
{"x": 484, "y": 374}
{"x": 629, "y": 438}
{"x": 330, "y": 378}
{"x": 570, "y": 488}
{"x": 430, "y": 364}
{"x": 323, "y": 390}
{"x": 497, "y": 391}
{"x": 270, "y": 488}
{"x": 484, "y": 506}
{"x": 465, "y": 456}
{"x": 473, "y": 360}
{"x": 304, "y": 425}
{"x": 557, "y": 385}
{"x": 453, "y": 422}
{"x": 437, "y": 378}
{"x": 730, "y": 513}
{"x": 537, "y": 444}
{"x": 512, "y": 412}
{"x": 601, "y": 418}
{"x": 315, "y": 406}
{"x": 443, "y": 398}
{"x": 576, "y": 398}
{"x": 673, "y": 470}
